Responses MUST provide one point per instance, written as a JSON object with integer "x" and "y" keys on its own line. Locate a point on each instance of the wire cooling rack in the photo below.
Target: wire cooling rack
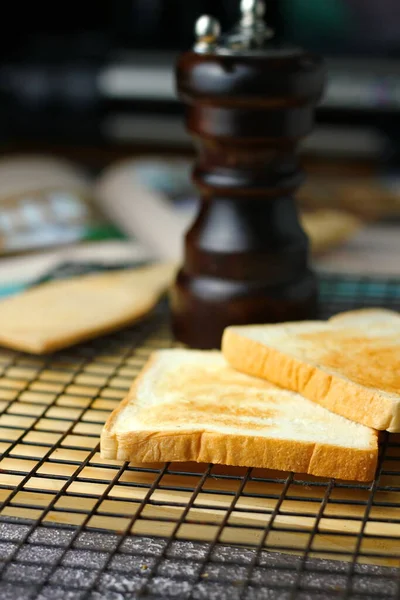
{"x": 74, "y": 526}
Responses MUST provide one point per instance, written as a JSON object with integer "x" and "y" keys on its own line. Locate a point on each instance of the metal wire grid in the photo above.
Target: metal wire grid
{"x": 51, "y": 473}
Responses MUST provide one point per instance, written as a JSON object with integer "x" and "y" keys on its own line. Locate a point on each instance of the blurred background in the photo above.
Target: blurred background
{"x": 93, "y": 83}
{"x": 99, "y": 75}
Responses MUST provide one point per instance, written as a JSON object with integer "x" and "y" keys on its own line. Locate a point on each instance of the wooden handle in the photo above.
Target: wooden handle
{"x": 246, "y": 255}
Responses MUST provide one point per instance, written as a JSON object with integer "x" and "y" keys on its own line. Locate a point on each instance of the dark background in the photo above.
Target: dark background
{"x": 99, "y": 75}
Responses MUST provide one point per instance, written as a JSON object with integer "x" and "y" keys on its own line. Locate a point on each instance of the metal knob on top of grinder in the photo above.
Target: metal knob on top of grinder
{"x": 249, "y": 101}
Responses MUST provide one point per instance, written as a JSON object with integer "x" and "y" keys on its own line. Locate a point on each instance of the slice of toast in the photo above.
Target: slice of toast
{"x": 60, "y": 313}
{"x": 190, "y": 405}
{"x": 328, "y": 228}
{"x": 349, "y": 364}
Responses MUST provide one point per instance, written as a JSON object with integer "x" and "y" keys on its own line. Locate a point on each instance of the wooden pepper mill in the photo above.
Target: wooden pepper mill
{"x": 249, "y": 101}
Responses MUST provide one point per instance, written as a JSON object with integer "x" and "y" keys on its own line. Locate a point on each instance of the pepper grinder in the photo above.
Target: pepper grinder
{"x": 249, "y": 101}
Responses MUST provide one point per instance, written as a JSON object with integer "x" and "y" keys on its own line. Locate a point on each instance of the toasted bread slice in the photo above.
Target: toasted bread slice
{"x": 349, "y": 364}
{"x": 190, "y": 405}
{"x": 60, "y": 313}
{"x": 327, "y": 228}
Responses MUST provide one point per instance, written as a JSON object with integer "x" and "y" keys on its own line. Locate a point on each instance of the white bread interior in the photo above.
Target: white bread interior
{"x": 189, "y": 405}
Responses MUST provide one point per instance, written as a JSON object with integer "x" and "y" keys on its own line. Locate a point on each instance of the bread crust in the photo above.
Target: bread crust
{"x": 339, "y": 395}
{"x": 243, "y": 451}
{"x": 323, "y": 460}
{"x": 108, "y": 439}
{"x": 348, "y": 316}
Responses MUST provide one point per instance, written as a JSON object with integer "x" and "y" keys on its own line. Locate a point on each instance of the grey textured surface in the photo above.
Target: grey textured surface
{"x": 50, "y": 572}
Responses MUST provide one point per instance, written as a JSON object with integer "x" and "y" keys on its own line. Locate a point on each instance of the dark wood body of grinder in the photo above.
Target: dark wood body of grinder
{"x": 246, "y": 255}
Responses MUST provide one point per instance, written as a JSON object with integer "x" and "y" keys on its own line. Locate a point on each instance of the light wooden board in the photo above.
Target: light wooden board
{"x": 52, "y": 412}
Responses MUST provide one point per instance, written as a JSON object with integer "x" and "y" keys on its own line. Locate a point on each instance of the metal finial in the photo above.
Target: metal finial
{"x": 248, "y": 36}
{"x": 207, "y": 30}
{"x": 252, "y": 11}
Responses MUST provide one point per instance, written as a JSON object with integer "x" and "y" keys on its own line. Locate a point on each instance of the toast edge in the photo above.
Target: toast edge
{"x": 322, "y": 460}
{"x": 339, "y": 395}
{"x": 348, "y": 315}
{"x": 108, "y": 439}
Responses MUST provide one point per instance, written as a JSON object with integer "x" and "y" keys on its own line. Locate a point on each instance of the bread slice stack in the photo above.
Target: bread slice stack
{"x": 308, "y": 397}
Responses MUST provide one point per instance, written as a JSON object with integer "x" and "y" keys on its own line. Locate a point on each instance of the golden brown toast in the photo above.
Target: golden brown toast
{"x": 349, "y": 364}
{"x": 191, "y": 406}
